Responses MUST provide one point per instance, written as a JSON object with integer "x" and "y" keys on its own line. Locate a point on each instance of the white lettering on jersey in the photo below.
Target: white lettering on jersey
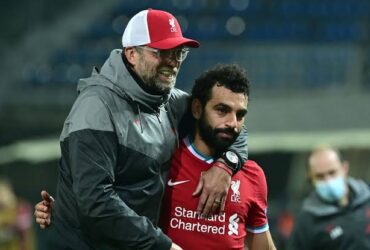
{"x": 336, "y": 232}
{"x": 201, "y": 224}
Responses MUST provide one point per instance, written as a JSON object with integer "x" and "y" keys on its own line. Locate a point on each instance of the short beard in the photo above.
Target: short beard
{"x": 160, "y": 87}
{"x": 151, "y": 81}
{"x": 209, "y": 135}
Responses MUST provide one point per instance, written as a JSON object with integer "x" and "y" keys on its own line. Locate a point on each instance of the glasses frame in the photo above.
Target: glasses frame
{"x": 179, "y": 53}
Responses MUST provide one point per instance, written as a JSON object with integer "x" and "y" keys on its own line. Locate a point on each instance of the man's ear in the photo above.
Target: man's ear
{"x": 196, "y": 109}
{"x": 309, "y": 176}
{"x": 345, "y": 165}
{"x": 130, "y": 55}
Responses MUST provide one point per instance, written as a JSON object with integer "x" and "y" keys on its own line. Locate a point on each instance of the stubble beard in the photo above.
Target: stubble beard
{"x": 151, "y": 78}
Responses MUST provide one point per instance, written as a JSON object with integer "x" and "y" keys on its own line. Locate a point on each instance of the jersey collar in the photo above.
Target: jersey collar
{"x": 194, "y": 151}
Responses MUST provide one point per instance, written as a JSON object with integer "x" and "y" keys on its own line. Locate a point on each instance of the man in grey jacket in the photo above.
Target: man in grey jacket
{"x": 336, "y": 216}
{"x": 117, "y": 143}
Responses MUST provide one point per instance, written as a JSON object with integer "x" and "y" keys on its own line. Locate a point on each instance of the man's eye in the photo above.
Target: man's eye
{"x": 333, "y": 172}
{"x": 240, "y": 117}
{"x": 221, "y": 110}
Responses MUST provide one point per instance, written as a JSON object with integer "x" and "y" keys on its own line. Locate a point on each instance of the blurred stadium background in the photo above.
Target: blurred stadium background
{"x": 308, "y": 61}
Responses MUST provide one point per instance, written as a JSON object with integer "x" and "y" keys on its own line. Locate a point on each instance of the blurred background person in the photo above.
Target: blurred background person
{"x": 336, "y": 215}
{"x": 15, "y": 220}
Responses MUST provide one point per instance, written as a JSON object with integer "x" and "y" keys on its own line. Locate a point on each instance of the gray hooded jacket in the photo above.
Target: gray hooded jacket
{"x": 116, "y": 148}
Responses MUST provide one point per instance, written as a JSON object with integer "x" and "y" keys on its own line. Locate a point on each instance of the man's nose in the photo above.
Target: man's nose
{"x": 327, "y": 177}
{"x": 232, "y": 121}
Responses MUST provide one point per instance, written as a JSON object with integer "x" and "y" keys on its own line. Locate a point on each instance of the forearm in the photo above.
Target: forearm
{"x": 261, "y": 241}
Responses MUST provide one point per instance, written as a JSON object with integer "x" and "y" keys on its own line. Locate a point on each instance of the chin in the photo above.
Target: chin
{"x": 221, "y": 145}
{"x": 165, "y": 87}
{"x": 225, "y": 139}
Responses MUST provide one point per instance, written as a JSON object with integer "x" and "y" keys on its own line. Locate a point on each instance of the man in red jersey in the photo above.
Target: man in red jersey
{"x": 219, "y": 105}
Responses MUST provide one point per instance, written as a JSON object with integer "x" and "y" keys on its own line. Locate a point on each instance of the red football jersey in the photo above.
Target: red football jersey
{"x": 245, "y": 210}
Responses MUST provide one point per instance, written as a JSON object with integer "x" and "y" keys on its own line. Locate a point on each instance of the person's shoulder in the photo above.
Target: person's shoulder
{"x": 252, "y": 164}
{"x": 178, "y": 101}
{"x": 97, "y": 91}
{"x": 89, "y": 111}
{"x": 90, "y": 99}
{"x": 253, "y": 167}
{"x": 254, "y": 181}
{"x": 178, "y": 94}
{"x": 253, "y": 173}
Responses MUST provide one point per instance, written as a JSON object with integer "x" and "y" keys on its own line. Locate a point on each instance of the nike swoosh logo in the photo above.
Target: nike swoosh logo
{"x": 174, "y": 183}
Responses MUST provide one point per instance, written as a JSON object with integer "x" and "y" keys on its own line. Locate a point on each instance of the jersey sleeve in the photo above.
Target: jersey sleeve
{"x": 257, "y": 219}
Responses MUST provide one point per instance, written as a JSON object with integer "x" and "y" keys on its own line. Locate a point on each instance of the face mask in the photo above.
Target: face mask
{"x": 331, "y": 190}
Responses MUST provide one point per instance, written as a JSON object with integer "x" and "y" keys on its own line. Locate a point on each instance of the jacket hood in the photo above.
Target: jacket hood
{"x": 115, "y": 76}
{"x": 360, "y": 194}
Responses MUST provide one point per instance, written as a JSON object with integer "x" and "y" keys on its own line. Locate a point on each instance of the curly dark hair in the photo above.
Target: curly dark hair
{"x": 231, "y": 76}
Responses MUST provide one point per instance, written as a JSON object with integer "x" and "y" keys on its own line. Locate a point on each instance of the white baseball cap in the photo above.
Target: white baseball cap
{"x": 157, "y": 29}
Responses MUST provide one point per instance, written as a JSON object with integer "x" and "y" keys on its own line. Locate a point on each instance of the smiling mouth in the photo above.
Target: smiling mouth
{"x": 167, "y": 73}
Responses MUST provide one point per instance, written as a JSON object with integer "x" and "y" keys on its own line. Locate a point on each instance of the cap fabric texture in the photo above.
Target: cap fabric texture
{"x": 157, "y": 29}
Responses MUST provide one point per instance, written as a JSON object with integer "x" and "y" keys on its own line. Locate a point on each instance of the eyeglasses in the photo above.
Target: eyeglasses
{"x": 179, "y": 53}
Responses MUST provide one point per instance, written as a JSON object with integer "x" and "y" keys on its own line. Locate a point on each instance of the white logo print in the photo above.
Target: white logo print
{"x": 171, "y": 21}
{"x": 174, "y": 183}
{"x": 235, "y": 197}
{"x": 336, "y": 232}
{"x": 233, "y": 224}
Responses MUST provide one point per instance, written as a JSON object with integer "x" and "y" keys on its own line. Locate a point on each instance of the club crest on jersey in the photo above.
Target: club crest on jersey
{"x": 171, "y": 21}
{"x": 235, "y": 197}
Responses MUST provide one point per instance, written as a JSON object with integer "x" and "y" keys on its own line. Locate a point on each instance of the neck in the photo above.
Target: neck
{"x": 202, "y": 147}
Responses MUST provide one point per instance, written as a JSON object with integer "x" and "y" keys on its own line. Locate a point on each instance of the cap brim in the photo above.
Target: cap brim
{"x": 174, "y": 42}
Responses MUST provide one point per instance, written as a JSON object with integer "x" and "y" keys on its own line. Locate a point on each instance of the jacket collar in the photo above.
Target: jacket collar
{"x": 359, "y": 191}
{"x": 123, "y": 82}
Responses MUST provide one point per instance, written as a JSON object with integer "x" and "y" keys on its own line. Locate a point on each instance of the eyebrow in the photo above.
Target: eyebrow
{"x": 243, "y": 111}
{"x": 330, "y": 172}
{"x": 224, "y": 105}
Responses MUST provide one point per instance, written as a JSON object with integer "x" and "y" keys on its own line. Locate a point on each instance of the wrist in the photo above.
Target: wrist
{"x": 223, "y": 166}
{"x": 231, "y": 160}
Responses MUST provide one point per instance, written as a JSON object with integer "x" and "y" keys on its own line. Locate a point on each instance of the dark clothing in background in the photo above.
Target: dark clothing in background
{"x": 324, "y": 226}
